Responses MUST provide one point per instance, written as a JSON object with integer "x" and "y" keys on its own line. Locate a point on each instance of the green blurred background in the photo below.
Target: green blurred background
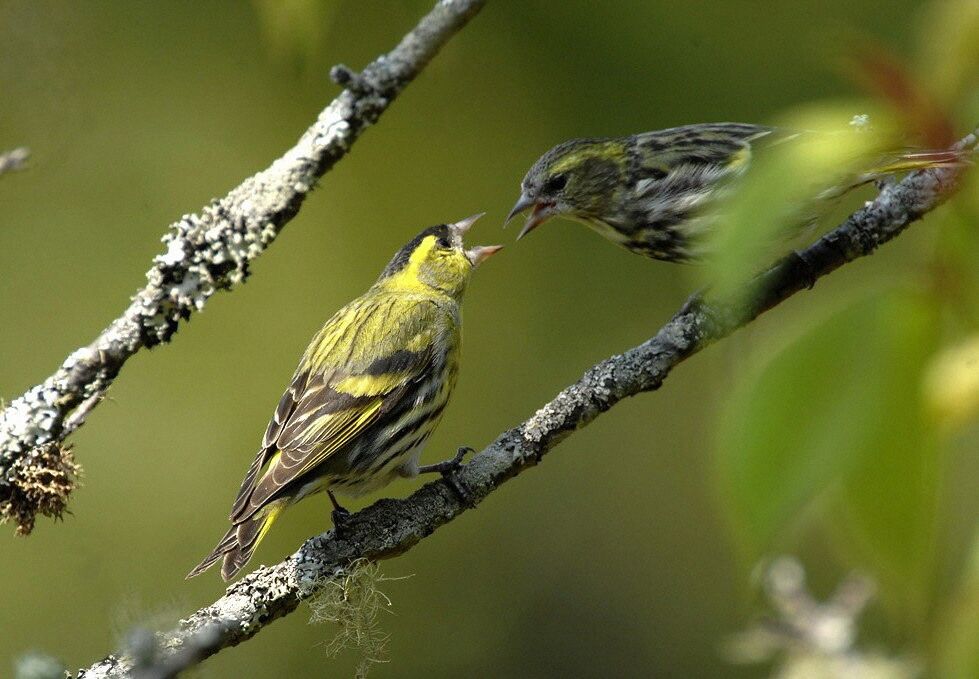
{"x": 629, "y": 552}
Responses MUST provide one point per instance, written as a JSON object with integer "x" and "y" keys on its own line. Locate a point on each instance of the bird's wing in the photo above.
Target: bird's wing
{"x": 362, "y": 365}
{"x": 287, "y": 404}
{"x": 723, "y": 145}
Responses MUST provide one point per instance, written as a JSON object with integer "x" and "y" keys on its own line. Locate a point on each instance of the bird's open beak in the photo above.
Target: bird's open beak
{"x": 479, "y": 253}
{"x": 523, "y": 203}
{"x": 476, "y": 254}
{"x": 541, "y": 213}
{"x": 464, "y": 225}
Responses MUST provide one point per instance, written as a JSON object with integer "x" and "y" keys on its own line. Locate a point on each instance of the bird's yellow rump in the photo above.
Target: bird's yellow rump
{"x": 368, "y": 392}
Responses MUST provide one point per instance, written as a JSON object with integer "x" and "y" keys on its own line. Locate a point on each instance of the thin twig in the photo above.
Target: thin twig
{"x": 390, "y": 527}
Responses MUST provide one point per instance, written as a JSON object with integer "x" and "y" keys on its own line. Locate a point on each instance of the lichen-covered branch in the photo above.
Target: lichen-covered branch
{"x": 204, "y": 253}
{"x": 390, "y": 527}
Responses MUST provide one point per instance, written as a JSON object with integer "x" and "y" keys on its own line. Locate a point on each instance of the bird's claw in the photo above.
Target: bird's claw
{"x": 340, "y": 515}
{"x": 449, "y": 471}
{"x": 447, "y": 466}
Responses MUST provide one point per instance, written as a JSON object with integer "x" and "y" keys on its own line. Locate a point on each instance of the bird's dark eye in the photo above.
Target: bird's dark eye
{"x": 555, "y": 183}
{"x": 443, "y": 242}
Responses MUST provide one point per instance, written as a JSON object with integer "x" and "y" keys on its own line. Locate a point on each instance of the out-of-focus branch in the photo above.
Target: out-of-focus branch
{"x": 810, "y": 638}
{"x": 205, "y": 252}
{"x": 15, "y": 159}
{"x": 390, "y": 527}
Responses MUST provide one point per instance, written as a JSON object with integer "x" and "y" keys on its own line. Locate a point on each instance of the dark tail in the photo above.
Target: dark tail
{"x": 238, "y": 545}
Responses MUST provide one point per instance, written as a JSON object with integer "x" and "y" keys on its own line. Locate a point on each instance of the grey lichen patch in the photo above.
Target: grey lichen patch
{"x": 39, "y": 483}
{"x": 29, "y": 420}
{"x": 545, "y": 421}
{"x": 354, "y": 601}
{"x": 574, "y": 407}
{"x": 204, "y": 253}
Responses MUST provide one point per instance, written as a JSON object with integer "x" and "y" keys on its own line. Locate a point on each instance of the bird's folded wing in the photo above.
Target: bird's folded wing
{"x": 717, "y": 148}
{"x": 282, "y": 412}
{"x": 348, "y": 379}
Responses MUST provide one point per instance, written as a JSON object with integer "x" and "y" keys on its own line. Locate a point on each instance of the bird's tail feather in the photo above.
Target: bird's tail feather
{"x": 897, "y": 163}
{"x": 238, "y": 544}
{"x": 919, "y": 160}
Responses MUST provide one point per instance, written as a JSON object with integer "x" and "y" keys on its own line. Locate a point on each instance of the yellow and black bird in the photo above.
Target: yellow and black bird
{"x": 652, "y": 193}
{"x": 368, "y": 392}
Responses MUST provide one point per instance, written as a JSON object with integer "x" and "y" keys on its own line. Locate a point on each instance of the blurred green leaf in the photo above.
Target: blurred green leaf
{"x": 826, "y": 409}
{"x": 958, "y": 647}
{"x": 294, "y": 30}
{"x": 955, "y": 276}
{"x": 777, "y": 197}
{"x": 949, "y": 49}
{"x": 951, "y": 384}
{"x": 889, "y": 509}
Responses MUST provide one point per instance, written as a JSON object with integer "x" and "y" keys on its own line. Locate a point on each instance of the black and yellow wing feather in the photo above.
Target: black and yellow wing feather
{"x": 366, "y": 366}
{"x": 355, "y": 372}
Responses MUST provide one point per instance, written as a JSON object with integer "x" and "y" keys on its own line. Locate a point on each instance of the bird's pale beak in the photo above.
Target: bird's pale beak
{"x": 464, "y": 225}
{"x": 541, "y": 213}
{"x": 476, "y": 254}
{"x": 523, "y": 203}
{"x": 479, "y": 253}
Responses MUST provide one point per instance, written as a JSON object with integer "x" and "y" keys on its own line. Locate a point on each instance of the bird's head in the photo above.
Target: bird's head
{"x": 577, "y": 179}
{"x": 436, "y": 259}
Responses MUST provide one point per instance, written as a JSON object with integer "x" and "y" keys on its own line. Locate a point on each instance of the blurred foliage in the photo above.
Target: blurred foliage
{"x": 848, "y": 426}
{"x": 38, "y": 666}
{"x": 952, "y": 384}
{"x": 295, "y": 30}
{"x": 792, "y": 183}
{"x": 805, "y": 638}
{"x": 825, "y": 428}
{"x": 948, "y": 53}
{"x": 844, "y": 377}
{"x": 958, "y": 652}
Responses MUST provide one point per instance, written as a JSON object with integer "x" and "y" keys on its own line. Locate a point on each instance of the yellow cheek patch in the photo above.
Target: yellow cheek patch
{"x": 421, "y": 253}
{"x": 407, "y": 278}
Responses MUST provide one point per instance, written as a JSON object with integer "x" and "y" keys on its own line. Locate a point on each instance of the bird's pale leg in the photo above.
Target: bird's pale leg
{"x": 340, "y": 514}
{"x": 448, "y": 469}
